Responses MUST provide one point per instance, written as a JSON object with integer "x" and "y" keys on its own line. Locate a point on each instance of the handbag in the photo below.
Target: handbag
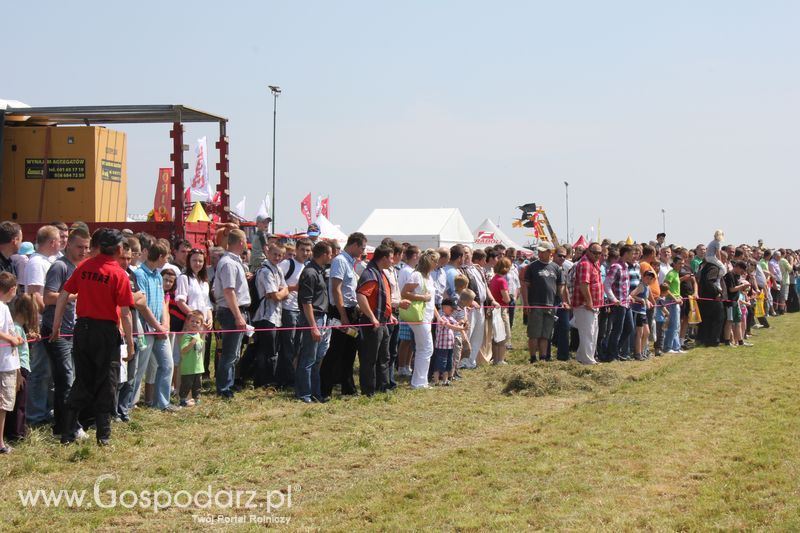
{"x": 415, "y": 311}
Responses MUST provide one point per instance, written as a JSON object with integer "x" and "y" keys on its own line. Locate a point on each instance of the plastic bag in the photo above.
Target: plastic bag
{"x": 499, "y": 329}
{"x": 760, "y": 311}
{"x": 694, "y": 312}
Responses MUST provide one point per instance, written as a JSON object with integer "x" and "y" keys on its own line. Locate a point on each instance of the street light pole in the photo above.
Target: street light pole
{"x": 664, "y": 220}
{"x": 276, "y": 91}
{"x": 566, "y": 191}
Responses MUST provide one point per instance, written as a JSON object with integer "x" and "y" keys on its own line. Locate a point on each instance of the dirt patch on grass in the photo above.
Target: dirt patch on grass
{"x": 557, "y": 378}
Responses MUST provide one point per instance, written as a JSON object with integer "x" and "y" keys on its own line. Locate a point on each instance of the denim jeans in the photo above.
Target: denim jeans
{"x": 394, "y": 344}
{"x": 307, "y": 380}
{"x": 63, "y": 371}
{"x": 671, "y": 337}
{"x": 126, "y": 389}
{"x": 37, "y": 405}
{"x": 289, "y": 345}
{"x": 231, "y": 346}
{"x": 161, "y": 352}
{"x": 621, "y": 327}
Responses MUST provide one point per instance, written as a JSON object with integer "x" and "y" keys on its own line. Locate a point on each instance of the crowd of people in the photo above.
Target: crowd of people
{"x": 93, "y": 325}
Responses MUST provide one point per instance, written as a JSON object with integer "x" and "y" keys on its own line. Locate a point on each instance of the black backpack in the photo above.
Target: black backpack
{"x": 255, "y": 299}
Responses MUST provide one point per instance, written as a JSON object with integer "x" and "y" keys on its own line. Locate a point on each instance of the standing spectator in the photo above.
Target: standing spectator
{"x": 498, "y": 287}
{"x": 711, "y": 308}
{"x": 126, "y": 389}
{"x": 586, "y": 299}
{"x": 542, "y": 284}
{"x": 420, "y": 288}
{"x": 232, "y": 299}
{"x": 289, "y": 336}
{"x": 158, "y": 346}
{"x": 10, "y": 374}
{"x": 406, "y": 336}
{"x": 59, "y": 351}
{"x": 192, "y": 292}
{"x": 672, "y": 343}
{"x": 562, "y": 326}
{"x": 180, "y": 253}
{"x": 312, "y": 295}
{"x": 261, "y": 358}
{"x": 38, "y": 408}
{"x": 617, "y": 291}
{"x": 374, "y": 295}
{"x": 10, "y": 242}
{"x": 514, "y": 286}
{"x": 258, "y": 250}
{"x": 104, "y": 299}
{"x": 337, "y": 367}
{"x": 393, "y": 326}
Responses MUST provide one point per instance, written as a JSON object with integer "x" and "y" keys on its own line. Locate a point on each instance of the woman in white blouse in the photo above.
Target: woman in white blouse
{"x": 420, "y": 288}
{"x": 192, "y": 291}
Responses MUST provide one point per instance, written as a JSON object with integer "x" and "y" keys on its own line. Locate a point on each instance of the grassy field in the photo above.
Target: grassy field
{"x": 706, "y": 440}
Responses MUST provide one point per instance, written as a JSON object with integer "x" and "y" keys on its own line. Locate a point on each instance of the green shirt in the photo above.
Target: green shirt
{"x": 192, "y": 361}
{"x": 23, "y": 349}
{"x": 695, "y": 264}
{"x": 673, "y": 279}
{"x": 786, "y": 270}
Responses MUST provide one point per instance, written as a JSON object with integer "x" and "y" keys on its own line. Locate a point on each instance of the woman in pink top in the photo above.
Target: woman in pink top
{"x": 498, "y": 286}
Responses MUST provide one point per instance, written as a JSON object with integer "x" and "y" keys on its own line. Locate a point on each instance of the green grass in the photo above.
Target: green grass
{"x": 706, "y": 440}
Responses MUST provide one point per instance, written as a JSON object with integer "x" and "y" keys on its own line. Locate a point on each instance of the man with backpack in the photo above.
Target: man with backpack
{"x": 260, "y": 360}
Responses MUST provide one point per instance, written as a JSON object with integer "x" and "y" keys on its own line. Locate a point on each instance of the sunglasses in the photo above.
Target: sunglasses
{"x": 561, "y": 256}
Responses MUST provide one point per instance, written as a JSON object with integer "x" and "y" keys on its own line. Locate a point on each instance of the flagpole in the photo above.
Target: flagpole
{"x": 275, "y": 92}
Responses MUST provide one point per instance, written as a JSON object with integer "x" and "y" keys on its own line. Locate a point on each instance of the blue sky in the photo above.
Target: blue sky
{"x": 691, "y": 107}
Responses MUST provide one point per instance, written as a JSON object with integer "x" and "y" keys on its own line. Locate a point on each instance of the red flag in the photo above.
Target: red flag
{"x": 324, "y": 209}
{"x": 163, "y": 201}
{"x": 305, "y": 207}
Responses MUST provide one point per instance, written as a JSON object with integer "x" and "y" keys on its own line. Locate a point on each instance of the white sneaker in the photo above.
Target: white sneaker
{"x": 81, "y": 434}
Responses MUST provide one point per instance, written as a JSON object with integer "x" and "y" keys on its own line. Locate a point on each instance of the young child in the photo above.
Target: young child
{"x": 26, "y": 324}
{"x": 461, "y": 313}
{"x": 10, "y": 375}
{"x": 640, "y": 304}
{"x": 662, "y": 315}
{"x": 714, "y": 255}
{"x": 443, "y": 347}
{"x": 192, "y": 351}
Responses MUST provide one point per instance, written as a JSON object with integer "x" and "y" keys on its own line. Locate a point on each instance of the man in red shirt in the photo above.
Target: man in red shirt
{"x": 104, "y": 299}
{"x": 374, "y": 295}
{"x": 586, "y": 301}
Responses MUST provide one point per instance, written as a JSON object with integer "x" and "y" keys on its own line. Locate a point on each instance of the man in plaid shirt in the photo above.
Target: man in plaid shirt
{"x": 586, "y": 301}
{"x": 617, "y": 289}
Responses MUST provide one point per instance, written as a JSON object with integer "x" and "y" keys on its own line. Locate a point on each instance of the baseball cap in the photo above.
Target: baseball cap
{"x": 544, "y": 246}
{"x": 26, "y": 248}
{"x": 313, "y": 230}
{"x": 261, "y": 218}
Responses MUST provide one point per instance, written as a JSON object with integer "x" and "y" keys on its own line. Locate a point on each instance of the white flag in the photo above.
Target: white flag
{"x": 263, "y": 209}
{"x": 201, "y": 186}
{"x": 240, "y": 207}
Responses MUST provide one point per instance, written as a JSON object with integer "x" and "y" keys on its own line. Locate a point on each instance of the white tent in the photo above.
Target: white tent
{"x": 330, "y": 232}
{"x": 488, "y": 234}
{"x": 426, "y": 228}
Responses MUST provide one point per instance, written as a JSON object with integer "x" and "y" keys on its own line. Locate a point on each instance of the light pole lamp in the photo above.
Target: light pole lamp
{"x": 566, "y": 191}
{"x": 276, "y": 91}
{"x": 664, "y": 220}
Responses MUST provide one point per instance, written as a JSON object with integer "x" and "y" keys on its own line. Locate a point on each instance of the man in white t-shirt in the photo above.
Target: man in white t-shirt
{"x": 37, "y": 405}
{"x": 289, "y": 337}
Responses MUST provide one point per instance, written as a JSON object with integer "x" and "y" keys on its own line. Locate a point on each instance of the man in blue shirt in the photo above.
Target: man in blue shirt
{"x": 337, "y": 367}
{"x": 148, "y": 276}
